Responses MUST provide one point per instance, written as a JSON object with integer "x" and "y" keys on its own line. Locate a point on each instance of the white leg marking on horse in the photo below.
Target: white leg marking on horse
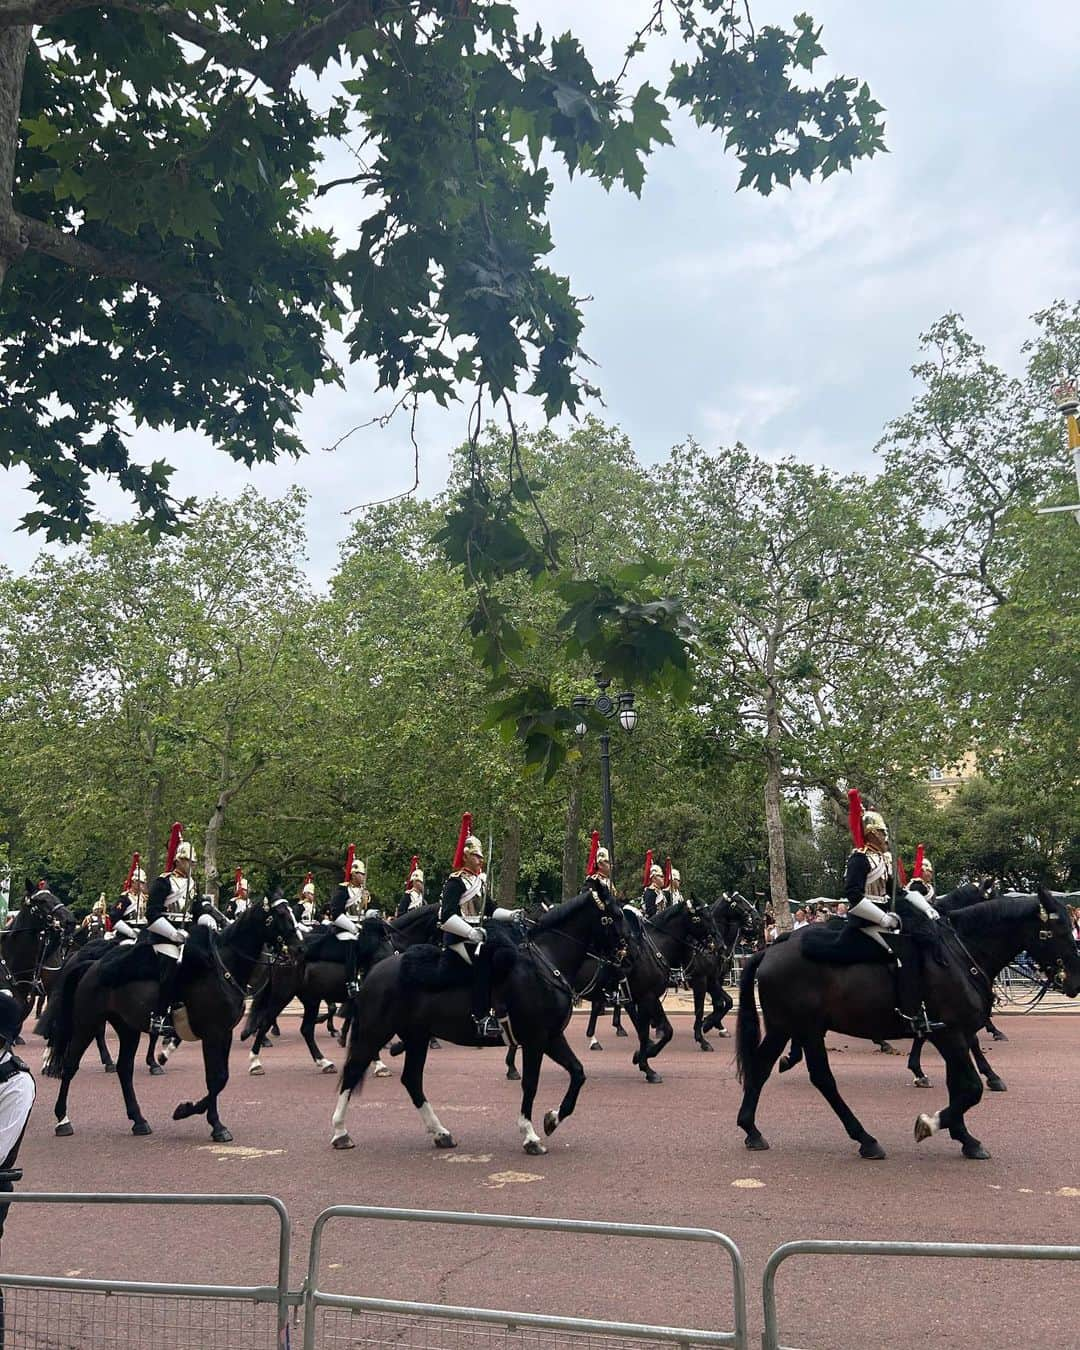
{"x": 528, "y": 1134}
{"x": 339, "y": 1115}
{"x": 65, "y": 1121}
{"x": 324, "y": 1064}
{"x": 255, "y": 1064}
{"x": 432, "y": 1123}
{"x": 380, "y": 1070}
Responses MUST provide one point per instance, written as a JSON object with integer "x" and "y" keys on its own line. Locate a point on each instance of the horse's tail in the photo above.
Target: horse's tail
{"x": 57, "y": 1023}
{"x": 748, "y": 1024}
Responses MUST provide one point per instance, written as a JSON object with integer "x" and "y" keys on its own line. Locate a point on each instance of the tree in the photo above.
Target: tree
{"x": 816, "y": 632}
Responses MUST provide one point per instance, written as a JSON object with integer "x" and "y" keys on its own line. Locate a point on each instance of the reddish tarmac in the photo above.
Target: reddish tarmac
{"x": 666, "y": 1154}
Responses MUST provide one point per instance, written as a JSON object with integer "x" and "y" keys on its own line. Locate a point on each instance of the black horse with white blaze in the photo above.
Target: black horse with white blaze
{"x": 427, "y": 992}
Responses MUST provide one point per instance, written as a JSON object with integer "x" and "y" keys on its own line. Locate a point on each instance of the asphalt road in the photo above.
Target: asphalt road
{"x": 665, "y": 1154}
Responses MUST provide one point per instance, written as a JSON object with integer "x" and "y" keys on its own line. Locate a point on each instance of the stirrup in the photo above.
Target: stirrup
{"x": 352, "y": 988}
{"x": 921, "y": 1024}
{"x": 487, "y": 1028}
{"x": 161, "y": 1024}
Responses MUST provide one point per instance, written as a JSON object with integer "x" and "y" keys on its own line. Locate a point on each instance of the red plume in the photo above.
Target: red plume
{"x": 463, "y": 834}
{"x": 238, "y": 879}
{"x": 309, "y": 878}
{"x": 412, "y": 867}
{"x": 920, "y": 854}
{"x": 350, "y": 858}
{"x": 648, "y": 867}
{"x": 667, "y": 874}
{"x": 854, "y": 816}
{"x": 901, "y": 871}
{"x": 594, "y": 844}
{"x": 176, "y": 834}
{"x": 131, "y": 871}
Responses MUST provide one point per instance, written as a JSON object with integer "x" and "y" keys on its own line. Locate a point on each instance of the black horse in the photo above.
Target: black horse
{"x": 121, "y": 988}
{"x": 314, "y": 979}
{"x": 735, "y": 919}
{"x": 36, "y": 944}
{"x": 803, "y": 999}
{"x": 421, "y": 994}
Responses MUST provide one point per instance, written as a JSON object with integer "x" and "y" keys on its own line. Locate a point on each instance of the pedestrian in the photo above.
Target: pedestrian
{"x": 800, "y": 919}
{"x": 17, "y": 1092}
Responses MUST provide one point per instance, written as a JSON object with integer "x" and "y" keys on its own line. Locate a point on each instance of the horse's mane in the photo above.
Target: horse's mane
{"x": 411, "y": 916}
{"x": 666, "y": 917}
{"x": 991, "y": 914}
{"x": 569, "y": 909}
{"x": 963, "y": 897}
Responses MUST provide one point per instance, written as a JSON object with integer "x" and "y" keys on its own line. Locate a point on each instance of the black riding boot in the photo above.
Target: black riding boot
{"x": 487, "y": 1028}
{"x": 161, "y": 1021}
{"x": 909, "y": 990}
{"x": 352, "y": 963}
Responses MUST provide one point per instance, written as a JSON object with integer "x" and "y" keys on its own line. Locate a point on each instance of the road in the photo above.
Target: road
{"x": 665, "y": 1154}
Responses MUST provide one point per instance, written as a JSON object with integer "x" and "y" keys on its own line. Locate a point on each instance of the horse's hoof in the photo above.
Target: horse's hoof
{"x": 652, "y": 1076}
{"x": 621, "y": 1031}
{"x": 996, "y": 1085}
{"x": 343, "y": 1141}
{"x": 757, "y": 1143}
{"x": 922, "y": 1082}
{"x": 141, "y": 1128}
{"x": 109, "y": 1068}
{"x": 534, "y": 1148}
{"x": 513, "y": 1075}
{"x": 19, "y": 1040}
{"x": 871, "y": 1149}
{"x": 445, "y": 1141}
{"x": 65, "y": 1130}
{"x": 433, "y": 1044}
{"x": 156, "y": 1070}
{"x": 551, "y": 1121}
{"x": 256, "y": 1070}
{"x": 924, "y": 1128}
{"x": 975, "y": 1151}
{"x": 595, "y": 1045}
{"x": 184, "y": 1110}
{"x": 221, "y": 1135}
{"x": 636, "y": 1058}
{"x": 381, "y": 1071}
{"x": 886, "y": 1049}
{"x": 275, "y": 1031}
{"x": 786, "y": 1063}
{"x": 1000, "y": 1036}
{"x": 704, "y": 1044}
{"x": 723, "y": 1031}
{"x": 162, "y": 1060}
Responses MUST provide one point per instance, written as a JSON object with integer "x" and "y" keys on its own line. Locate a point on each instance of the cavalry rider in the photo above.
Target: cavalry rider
{"x": 95, "y": 925}
{"x": 170, "y": 899}
{"x": 239, "y": 902}
{"x": 304, "y": 907}
{"x": 414, "y": 890}
{"x": 868, "y": 884}
{"x": 598, "y": 868}
{"x": 130, "y": 909}
{"x": 920, "y": 891}
{"x": 652, "y": 897}
{"x": 465, "y": 899}
{"x": 674, "y": 884}
{"x": 351, "y": 902}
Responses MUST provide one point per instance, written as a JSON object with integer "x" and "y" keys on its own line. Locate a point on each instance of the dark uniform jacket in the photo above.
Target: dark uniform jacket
{"x": 858, "y": 870}
{"x": 457, "y": 883}
{"x": 650, "y": 901}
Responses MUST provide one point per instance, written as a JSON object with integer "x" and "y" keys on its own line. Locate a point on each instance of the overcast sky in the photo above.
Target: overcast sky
{"x": 789, "y": 322}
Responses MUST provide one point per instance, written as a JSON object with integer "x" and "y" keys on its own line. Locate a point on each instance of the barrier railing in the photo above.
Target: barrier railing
{"x": 54, "y": 1310}
{"x": 996, "y": 1251}
{"x": 594, "y": 1333}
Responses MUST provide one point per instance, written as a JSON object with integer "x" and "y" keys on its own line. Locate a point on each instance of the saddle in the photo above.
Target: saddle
{"x": 842, "y": 942}
{"x": 435, "y": 969}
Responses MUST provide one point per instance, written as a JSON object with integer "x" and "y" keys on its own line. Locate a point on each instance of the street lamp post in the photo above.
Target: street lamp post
{"x": 622, "y": 707}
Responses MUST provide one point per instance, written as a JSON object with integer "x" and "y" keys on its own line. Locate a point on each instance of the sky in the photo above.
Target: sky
{"x": 789, "y": 322}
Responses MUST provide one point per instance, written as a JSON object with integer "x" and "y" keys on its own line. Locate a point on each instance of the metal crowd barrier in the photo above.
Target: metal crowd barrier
{"x": 997, "y": 1251}
{"x": 46, "y": 1312}
{"x": 412, "y": 1325}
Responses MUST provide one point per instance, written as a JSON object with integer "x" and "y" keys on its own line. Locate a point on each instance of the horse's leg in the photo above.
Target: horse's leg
{"x": 997, "y": 1034}
{"x": 361, "y": 1053}
{"x": 616, "y": 1019}
{"x": 155, "y": 1068}
{"x": 531, "y": 1059}
{"x": 559, "y": 1050}
{"x": 595, "y": 1009}
{"x": 698, "y": 988}
{"x": 255, "y": 1067}
{"x": 331, "y": 1013}
{"x": 993, "y": 1082}
{"x": 643, "y": 1023}
{"x": 965, "y": 1092}
{"x": 914, "y": 1063}
{"x": 511, "y": 1064}
{"x": 412, "y": 1078}
{"x": 307, "y": 1031}
{"x": 216, "y": 1068}
{"x": 125, "y": 1069}
{"x": 722, "y": 1004}
{"x": 75, "y": 1051}
{"x": 103, "y": 1052}
{"x": 821, "y": 1075}
{"x": 170, "y": 1045}
{"x": 794, "y": 1056}
{"x": 755, "y": 1076}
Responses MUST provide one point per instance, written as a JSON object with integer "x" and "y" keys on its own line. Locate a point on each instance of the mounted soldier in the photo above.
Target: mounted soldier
{"x": 414, "y": 890}
{"x": 673, "y": 884}
{"x": 868, "y": 888}
{"x": 17, "y": 1093}
{"x": 598, "y": 867}
{"x": 171, "y": 898}
{"x": 349, "y": 904}
{"x": 130, "y": 909}
{"x": 465, "y": 900}
{"x": 304, "y": 907}
{"x": 652, "y": 895}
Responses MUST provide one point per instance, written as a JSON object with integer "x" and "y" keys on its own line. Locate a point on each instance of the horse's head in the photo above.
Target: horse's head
{"x": 751, "y": 924}
{"x": 1052, "y": 946}
{"x": 701, "y": 926}
{"x": 608, "y": 919}
{"x": 283, "y": 929}
{"x": 374, "y": 941}
{"x": 46, "y": 911}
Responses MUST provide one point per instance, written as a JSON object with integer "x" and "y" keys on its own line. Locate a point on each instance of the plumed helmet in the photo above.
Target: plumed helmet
{"x": 602, "y": 855}
{"x": 676, "y": 875}
{"x": 11, "y": 1016}
{"x": 594, "y": 844}
{"x": 358, "y": 866}
{"x": 241, "y": 886}
{"x": 139, "y": 875}
{"x": 186, "y": 850}
{"x": 473, "y": 847}
{"x": 874, "y": 820}
{"x": 656, "y": 871}
{"x": 308, "y": 887}
{"x": 416, "y": 875}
